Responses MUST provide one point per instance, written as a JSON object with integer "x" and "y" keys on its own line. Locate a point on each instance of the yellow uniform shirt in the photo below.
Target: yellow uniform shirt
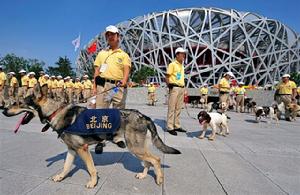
{"x": 32, "y": 82}
{"x": 60, "y": 83}
{"x": 240, "y": 90}
{"x": 54, "y": 84}
{"x": 69, "y": 84}
{"x": 77, "y": 85}
{"x": 204, "y": 90}
{"x": 42, "y": 80}
{"x": 13, "y": 82}
{"x": 2, "y": 78}
{"x": 298, "y": 90}
{"x": 286, "y": 88}
{"x": 24, "y": 80}
{"x": 151, "y": 89}
{"x": 111, "y": 63}
{"x": 176, "y": 73}
{"x": 49, "y": 83}
{"x": 224, "y": 85}
{"x": 87, "y": 84}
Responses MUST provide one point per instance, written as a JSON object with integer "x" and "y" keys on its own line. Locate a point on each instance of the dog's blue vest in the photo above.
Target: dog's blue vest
{"x": 95, "y": 121}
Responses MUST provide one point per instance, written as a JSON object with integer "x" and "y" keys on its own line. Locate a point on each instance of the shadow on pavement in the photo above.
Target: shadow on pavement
{"x": 128, "y": 161}
{"x": 161, "y": 123}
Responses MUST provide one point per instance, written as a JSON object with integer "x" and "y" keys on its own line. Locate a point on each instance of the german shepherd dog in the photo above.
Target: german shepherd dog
{"x": 137, "y": 130}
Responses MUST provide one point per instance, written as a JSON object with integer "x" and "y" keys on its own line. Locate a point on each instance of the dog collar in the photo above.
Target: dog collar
{"x": 54, "y": 113}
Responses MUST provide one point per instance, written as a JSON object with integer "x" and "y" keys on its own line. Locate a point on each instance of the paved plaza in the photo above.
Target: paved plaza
{"x": 254, "y": 159}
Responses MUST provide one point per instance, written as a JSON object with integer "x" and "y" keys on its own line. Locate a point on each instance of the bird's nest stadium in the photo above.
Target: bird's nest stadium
{"x": 258, "y": 50}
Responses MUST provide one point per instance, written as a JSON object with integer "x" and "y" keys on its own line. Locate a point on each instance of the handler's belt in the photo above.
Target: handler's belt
{"x": 171, "y": 85}
{"x": 95, "y": 122}
{"x": 224, "y": 92}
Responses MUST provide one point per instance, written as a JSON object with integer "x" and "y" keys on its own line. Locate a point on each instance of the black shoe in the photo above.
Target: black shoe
{"x": 180, "y": 130}
{"x": 172, "y": 132}
{"x": 99, "y": 148}
{"x": 288, "y": 119}
{"x": 121, "y": 144}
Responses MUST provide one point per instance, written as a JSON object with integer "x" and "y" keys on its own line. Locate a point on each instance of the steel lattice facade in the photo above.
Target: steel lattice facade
{"x": 256, "y": 49}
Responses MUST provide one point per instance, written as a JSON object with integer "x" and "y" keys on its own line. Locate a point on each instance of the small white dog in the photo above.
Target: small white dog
{"x": 213, "y": 120}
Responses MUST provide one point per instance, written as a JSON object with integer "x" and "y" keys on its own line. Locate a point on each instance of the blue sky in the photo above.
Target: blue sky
{"x": 44, "y": 29}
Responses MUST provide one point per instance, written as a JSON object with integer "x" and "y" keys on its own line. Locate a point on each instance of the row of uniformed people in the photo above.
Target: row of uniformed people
{"x": 60, "y": 89}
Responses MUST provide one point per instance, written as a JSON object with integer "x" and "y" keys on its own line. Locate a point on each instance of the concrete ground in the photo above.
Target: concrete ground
{"x": 254, "y": 159}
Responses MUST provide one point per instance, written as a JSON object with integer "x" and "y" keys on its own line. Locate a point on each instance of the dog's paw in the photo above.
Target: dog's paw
{"x": 57, "y": 178}
{"x": 211, "y": 138}
{"x": 140, "y": 176}
{"x": 201, "y": 137}
{"x": 159, "y": 180}
{"x": 91, "y": 184}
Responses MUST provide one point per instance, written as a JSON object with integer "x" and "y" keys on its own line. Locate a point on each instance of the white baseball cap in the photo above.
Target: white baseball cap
{"x": 205, "y": 84}
{"x": 22, "y": 71}
{"x": 53, "y": 76}
{"x": 1, "y": 67}
{"x": 13, "y": 73}
{"x": 46, "y": 75}
{"x": 230, "y": 74}
{"x": 31, "y": 73}
{"x": 180, "y": 50}
{"x": 42, "y": 72}
{"x": 86, "y": 76}
{"x": 59, "y": 76}
{"x": 112, "y": 29}
{"x": 241, "y": 83}
{"x": 286, "y": 75}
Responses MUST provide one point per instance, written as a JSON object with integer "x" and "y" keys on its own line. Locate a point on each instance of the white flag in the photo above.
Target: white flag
{"x": 76, "y": 43}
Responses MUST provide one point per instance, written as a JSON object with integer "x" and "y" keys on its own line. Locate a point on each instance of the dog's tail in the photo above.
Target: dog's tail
{"x": 156, "y": 140}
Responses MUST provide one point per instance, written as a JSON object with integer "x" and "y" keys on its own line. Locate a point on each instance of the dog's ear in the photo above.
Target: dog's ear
{"x": 207, "y": 118}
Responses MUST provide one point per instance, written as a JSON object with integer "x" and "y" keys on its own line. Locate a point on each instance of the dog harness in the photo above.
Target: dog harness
{"x": 95, "y": 122}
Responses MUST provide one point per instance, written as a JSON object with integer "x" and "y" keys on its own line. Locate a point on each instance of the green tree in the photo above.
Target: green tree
{"x": 11, "y": 62}
{"x": 63, "y": 68}
{"x": 295, "y": 77}
{"x": 140, "y": 76}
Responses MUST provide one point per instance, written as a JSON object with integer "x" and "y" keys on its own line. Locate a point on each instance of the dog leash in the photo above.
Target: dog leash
{"x": 186, "y": 109}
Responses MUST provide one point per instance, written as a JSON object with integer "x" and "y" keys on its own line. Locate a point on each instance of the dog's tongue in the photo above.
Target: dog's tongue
{"x": 20, "y": 122}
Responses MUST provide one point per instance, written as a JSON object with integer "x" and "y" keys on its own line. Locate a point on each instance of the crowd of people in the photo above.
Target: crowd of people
{"x": 61, "y": 89}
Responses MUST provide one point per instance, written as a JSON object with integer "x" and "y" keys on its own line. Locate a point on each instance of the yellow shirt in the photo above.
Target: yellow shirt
{"x": 298, "y": 90}
{"x": 42, "y": 80}
{"x": 54, "y": 84}
{"x": 224, "y": 85}
{"x": 151, "y": 89}
{"x": 87, "y": 84}
{"x": 69, "y": 84}
{"x": 176, "y": 73}
{"x": 60, "y": 83}
{"x": 240, "y": 90}
{"x": 32, "y": 82}
{"x": 49, "y": 83}
{"x": 2, "y": 78}
{"x": 114, "y": 61}
{"x": 78, "y": 85}
{"x": 286, "y": 88}
{"x": 24, "y": 80}
{"x": 204, "y": 90}
{"x": 13, "y": 82}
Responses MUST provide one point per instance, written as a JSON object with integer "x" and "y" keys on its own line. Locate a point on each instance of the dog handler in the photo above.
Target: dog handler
{"x": 2, "y": 83}
{"x": 112, "y": 67}
{"x": 286, "y": 92}
{"x": 240, "y": 97}
{"x": 204, "y": 94}
{"x": 175, "y": 82}
{"x": 224, "y": 88}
